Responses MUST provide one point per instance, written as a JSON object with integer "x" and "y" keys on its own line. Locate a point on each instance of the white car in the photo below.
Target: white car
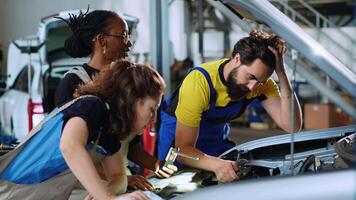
{"x": 323, "y": 165}
{"x": 30, "y": 90}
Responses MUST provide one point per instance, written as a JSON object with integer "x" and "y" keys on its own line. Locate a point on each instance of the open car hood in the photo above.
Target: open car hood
{"x": 262, "y": 11}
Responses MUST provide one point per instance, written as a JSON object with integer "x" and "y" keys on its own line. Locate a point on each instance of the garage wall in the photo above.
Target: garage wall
{"x": 141, "y": 10}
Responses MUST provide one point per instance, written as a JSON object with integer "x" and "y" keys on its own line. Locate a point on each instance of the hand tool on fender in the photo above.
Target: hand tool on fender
{"x": 172, "y": 155}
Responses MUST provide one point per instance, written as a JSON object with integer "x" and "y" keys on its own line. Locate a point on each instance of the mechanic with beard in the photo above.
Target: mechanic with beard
{"x": 196, "y": 116}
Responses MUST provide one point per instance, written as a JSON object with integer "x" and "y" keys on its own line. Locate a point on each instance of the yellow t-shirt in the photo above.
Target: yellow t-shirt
{"x": 194, "y": 93}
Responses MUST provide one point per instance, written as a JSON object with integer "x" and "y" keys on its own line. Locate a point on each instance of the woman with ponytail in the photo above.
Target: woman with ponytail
{"x": 104, "y": 36}
{"x": 83, "y": 134}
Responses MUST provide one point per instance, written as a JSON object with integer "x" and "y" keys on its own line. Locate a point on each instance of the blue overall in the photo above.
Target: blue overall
{"x": 40, "y": 157}
{"x": 214, "y": 128}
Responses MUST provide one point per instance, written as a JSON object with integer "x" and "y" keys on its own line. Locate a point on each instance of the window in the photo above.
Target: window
{"x": 21, "y": 82}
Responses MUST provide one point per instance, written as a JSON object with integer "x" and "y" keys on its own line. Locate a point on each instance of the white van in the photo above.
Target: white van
{"x": 35, "y": 66}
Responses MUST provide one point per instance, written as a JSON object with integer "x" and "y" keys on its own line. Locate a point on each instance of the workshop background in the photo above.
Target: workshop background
{"x": 173, "y": 34}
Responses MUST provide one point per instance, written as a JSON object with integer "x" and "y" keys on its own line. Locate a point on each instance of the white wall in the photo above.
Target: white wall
{"x": 140, "y": 9}
{"x": 177, "y": 32}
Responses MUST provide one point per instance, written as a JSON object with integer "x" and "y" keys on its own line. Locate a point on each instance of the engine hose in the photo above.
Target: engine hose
{"x": 306, "y": 164}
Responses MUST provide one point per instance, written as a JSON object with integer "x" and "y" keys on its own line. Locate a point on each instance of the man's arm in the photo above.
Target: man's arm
{"x": 186, "y": 139}
{"x": 279, "y": 108}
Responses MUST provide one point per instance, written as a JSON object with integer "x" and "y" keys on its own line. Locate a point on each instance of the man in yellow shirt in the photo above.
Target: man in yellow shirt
{"x": 196, "y": 116}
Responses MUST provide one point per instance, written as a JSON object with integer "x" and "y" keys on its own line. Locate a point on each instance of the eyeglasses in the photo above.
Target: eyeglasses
{"x": 125, "y": 37}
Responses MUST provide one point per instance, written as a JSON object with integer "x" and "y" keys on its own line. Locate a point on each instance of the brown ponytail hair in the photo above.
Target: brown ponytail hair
{"x": 121, "y": 85}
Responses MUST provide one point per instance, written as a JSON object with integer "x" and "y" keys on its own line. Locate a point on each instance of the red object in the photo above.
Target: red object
{"x": 33, "y": 108}
{"x": 149, "y": 137}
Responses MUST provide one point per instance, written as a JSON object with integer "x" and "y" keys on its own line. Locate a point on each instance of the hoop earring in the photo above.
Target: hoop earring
{"x": 104, "y": 50}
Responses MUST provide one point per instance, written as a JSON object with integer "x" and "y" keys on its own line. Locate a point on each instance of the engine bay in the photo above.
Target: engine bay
{"x": 314, "y": 151}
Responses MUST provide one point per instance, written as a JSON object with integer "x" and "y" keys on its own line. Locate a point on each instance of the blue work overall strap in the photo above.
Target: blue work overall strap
{"x": 167, "y": 130}
{"x": 166, "y": 134}
{"x": 214, "y": 129}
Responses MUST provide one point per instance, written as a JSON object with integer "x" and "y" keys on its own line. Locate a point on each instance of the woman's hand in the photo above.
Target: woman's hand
{"x": 164, "y": 171}
{"x": 138, "y": 182}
